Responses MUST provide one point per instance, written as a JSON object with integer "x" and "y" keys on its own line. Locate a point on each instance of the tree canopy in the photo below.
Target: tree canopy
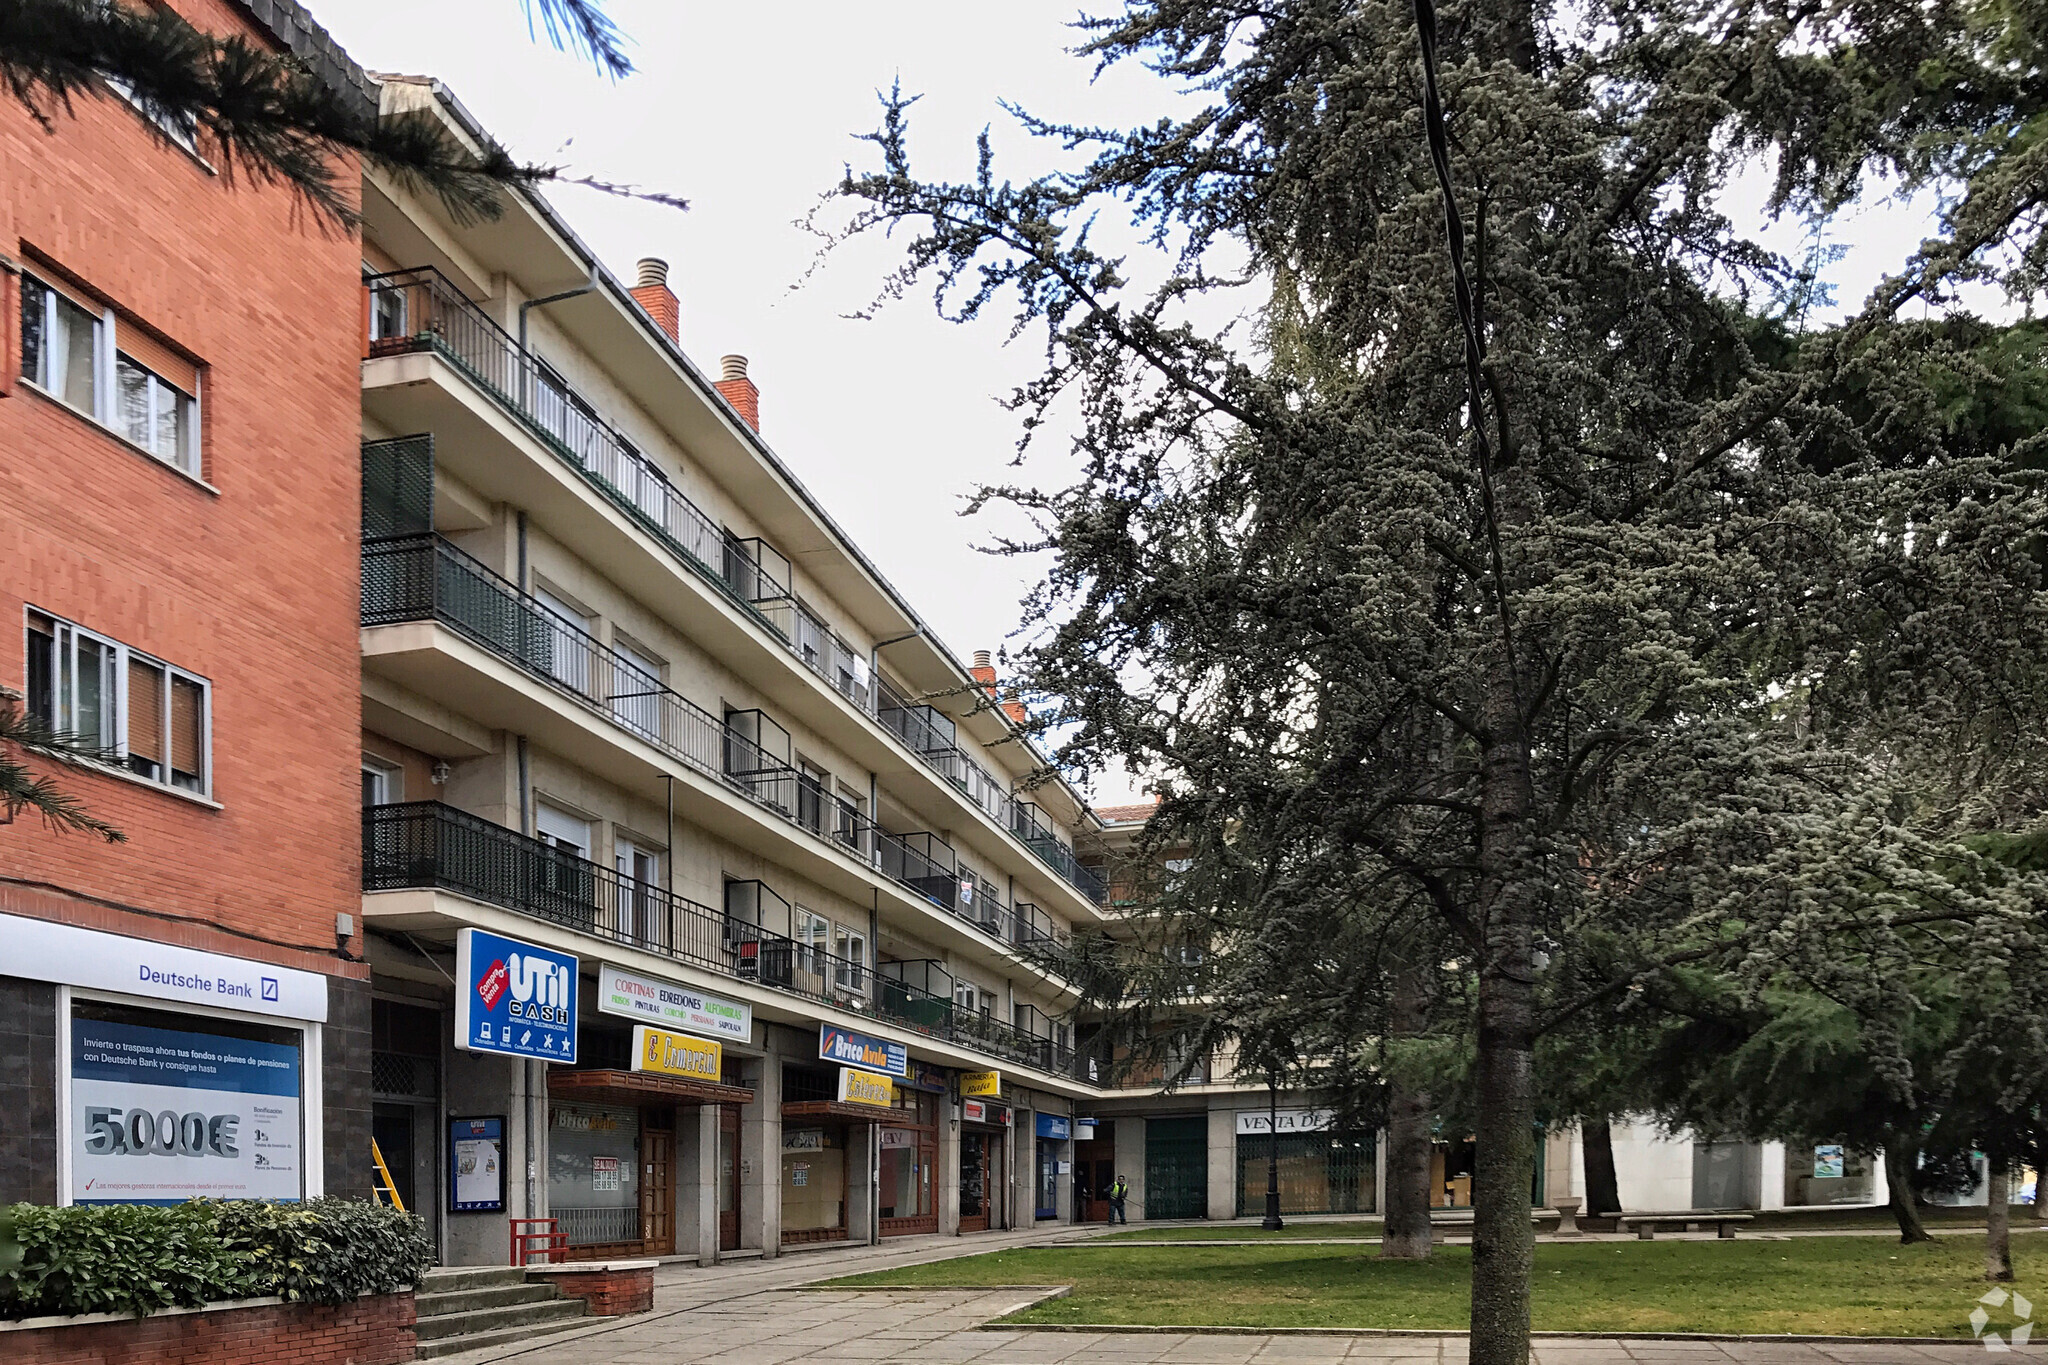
{"x": 1494, "y": 548}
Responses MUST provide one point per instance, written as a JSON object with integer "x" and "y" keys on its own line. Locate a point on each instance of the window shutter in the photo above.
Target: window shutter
{"x": 146, "y": 351}
{"x": 145, "y": 710}
{"x": 57, "y": 284}
{"x": 187, "y": 706}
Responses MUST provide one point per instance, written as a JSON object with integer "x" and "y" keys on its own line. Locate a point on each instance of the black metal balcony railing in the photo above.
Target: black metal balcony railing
{"x": 421, "y": 310}
{"x": 428, "y": 845}
{"x": 422, "y": 577}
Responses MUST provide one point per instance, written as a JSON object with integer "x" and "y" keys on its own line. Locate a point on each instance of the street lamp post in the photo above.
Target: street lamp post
{"x": 1272, "y": 1223}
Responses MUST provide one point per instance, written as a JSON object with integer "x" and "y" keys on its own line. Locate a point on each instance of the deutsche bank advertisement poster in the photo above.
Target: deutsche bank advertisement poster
{"x": 159, "y": 1116}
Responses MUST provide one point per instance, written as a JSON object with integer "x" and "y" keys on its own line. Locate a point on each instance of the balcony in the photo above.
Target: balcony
{"x": 920, "y": 991}
{"x": 424, "y": 845}
{"x": 424, "y": 578}
{"x": 932, "y": 735}
{"x": 419, "y": 310}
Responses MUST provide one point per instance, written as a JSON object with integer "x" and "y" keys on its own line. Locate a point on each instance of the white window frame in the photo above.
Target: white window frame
{"x": 114, "y": 698}
{"x": 390, "y": 779}
{"x": 546, "y": 812}
{"x": 637, "y": 910}
{"x": 183, "y": 132}
{"x": 850, "y": 948}
{"x": 813, "y": 934}
{"x": 106, "y": 401}
{"x": 636, "y": 687}
{"x": 569, "y": 656}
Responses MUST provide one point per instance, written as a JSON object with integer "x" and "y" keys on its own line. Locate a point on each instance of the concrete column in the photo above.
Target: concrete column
{"x": 949, "y": 1168}
{"x": 861, "y": 1142}
{"x": 1064, "y": 1184}
{"x": 1223, "y": 1161}
{"x": 697, "y": 1183}
{"x": 1024, "y": 1168}
{"x": 761, "y": 1162}
{"x": 474, "y": 1085}
{"x": 1130, "y": 1163}
{"x": 1772, "y": 1182}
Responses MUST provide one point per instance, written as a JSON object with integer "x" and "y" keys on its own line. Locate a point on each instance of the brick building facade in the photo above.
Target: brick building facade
{"x": 178, "y": 526}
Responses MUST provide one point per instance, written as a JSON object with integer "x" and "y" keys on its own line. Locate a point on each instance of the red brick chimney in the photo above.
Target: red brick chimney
{"x": 984, "y": 673}
{"x": 656, "y": 297}
{"x": 739, "y": 390}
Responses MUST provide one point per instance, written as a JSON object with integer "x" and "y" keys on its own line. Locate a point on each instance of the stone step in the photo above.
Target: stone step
{"x": 484, "y": 1296}
{"x": 482, "y": 1320}
{"x": 447, "y": 1278}
{"x": 506, "y": 1336}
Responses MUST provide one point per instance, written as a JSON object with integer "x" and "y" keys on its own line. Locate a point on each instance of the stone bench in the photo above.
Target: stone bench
{"x": 1724, "y": 1224}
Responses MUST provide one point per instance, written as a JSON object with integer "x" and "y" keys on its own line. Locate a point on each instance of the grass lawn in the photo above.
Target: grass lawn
{"x": 1830, "y": 1285}
{"x": 1818, "y": 1220}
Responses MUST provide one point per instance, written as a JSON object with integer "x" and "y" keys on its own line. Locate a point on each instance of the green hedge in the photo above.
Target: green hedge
{"x": 134, "y": 1258}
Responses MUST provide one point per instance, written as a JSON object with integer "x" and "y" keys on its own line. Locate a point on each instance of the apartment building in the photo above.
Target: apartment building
{"x": 1201, "y": 1148}
{"x": 187, "y": 1012}
{"x": 707, "y": 910}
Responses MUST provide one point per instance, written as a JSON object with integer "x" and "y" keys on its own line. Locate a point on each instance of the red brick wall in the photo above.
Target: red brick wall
{"x": 610, "y": 1293}
{"x": 253, "y": 586}
{"x": 371, "y": 1331}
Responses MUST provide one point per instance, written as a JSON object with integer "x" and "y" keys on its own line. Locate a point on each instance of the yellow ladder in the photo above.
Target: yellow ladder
{"x": 384, "y": 1188}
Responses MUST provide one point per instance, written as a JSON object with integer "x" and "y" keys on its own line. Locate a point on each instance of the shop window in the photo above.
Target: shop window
{"x": 1319, "y": 1173}
{"x": 813, "y": 1180}
{"x": 1827, "y": 1174}
{"x": 233, "y": 1128}
{"x": 593, "y": 1165}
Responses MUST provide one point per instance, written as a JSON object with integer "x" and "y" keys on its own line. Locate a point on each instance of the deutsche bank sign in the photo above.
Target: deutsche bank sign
{"x": 514, "y": 998}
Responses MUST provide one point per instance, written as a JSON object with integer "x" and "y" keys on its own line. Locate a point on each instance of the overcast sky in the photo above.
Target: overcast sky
{"x": 751, "y": 110}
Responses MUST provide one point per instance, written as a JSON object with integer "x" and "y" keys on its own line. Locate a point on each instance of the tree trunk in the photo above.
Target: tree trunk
{"x": 1603, "y": 1190}
{"x": 1405, "y": 1235}
{"x": 1503, "y": 1236}
{"x": 1998, "y": 1221}
{"x": 1898, "y": 1178}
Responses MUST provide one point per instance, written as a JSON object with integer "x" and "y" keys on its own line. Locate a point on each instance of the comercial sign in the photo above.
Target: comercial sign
{"x": 662, "y": 1053}
{"x": 159, "y": 1116}
{"x": 865, "y": 1087}
{"x": 848, "y": 1048}
{"x": 42, "y": 950}
{"x": 669, "y": 1005}
{"x": 981, "y": 1082}
{"x": 514, "y": 998}
{"x": 1290, "y": 1121}
{"x": 1055, "y": 1126}
{"x": 982, "y": 1111}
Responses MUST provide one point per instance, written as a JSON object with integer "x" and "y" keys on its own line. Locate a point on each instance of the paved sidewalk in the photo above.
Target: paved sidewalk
{"x": 750, "y": 1313}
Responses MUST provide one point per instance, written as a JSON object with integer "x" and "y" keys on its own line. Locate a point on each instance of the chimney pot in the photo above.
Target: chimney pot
{"x": 653, "y": 294}
{"x": 739, "y": 390}
{"x": 982, "y": 658}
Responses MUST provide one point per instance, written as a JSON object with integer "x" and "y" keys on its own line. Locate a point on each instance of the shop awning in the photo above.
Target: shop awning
{"x": 641, "y": 1087}
{"x": 833, "y": 1109}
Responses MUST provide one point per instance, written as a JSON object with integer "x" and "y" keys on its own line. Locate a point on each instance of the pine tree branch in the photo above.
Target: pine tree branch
{"x": 21, "y": 790}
